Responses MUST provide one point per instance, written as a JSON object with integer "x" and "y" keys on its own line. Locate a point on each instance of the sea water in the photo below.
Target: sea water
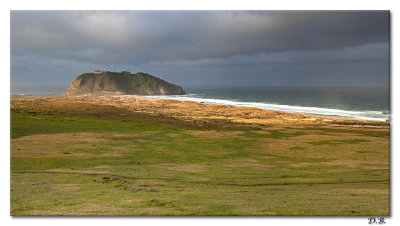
{"x": 37, "y": 90}
{"x": 372, "y": 103}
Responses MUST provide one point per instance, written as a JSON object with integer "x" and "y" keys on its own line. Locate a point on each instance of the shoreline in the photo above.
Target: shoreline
{"x": 363, "y": 115}
{"x": 190, "y": 110}
{"x": 293, "y": 109}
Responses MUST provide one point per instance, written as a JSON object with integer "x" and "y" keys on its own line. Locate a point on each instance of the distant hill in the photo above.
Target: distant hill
{"x": 122, "y": 82}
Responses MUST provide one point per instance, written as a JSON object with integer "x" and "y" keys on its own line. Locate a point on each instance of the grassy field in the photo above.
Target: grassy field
{"x": 86, "y": 159}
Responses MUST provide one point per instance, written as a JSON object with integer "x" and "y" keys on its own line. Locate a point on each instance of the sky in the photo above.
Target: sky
{"x": 204, "y": 48}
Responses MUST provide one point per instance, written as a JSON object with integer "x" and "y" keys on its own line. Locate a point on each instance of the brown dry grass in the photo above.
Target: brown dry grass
{"x": 215, "y": 134}
{"x": 66, "y": 187}
{"x": 192, "y": 110}
{"x": 191, "y": 168}
{"x": 60, "y": 144}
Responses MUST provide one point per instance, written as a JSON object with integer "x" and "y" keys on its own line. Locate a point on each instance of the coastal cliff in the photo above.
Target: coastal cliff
{"x": 122, "y": 82}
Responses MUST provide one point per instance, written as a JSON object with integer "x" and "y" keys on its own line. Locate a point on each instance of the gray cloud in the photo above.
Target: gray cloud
{"x": 132, "y": 37}
{"x": 367, "y": 52}
{"x": 66, "y": 42}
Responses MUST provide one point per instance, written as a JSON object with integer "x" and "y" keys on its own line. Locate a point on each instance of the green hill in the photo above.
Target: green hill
{"x": 122, "y": 82}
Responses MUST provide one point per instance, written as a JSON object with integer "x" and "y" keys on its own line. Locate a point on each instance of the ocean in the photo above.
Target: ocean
{"x": 371, "y": 103}
{"x": 37, "y": 90}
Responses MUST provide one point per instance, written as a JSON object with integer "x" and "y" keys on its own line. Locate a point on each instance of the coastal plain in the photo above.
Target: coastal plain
{"x": 131, "y": 155}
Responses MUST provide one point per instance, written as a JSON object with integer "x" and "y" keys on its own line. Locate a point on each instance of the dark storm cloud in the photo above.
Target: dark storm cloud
{"x": 137, "y": 37}
{"x": 62, "y": 43}
{"x": 365, "y": 53}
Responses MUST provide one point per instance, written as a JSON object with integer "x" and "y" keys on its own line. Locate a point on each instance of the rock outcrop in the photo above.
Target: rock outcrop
{"x": 123, "y": 83}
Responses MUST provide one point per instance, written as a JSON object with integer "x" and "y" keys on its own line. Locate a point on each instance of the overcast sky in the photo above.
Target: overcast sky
{"x": 197, "y": 48}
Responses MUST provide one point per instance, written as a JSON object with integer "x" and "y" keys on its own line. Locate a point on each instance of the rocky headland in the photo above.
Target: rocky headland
{"x": 103, "y": 82}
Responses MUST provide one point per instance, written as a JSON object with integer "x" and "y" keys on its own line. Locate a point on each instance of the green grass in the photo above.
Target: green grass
{"x": 370, "y": 133}
{"x": 83, "y": 159}
{"x": 277, "y": 134}
{"x": 337, "y": 142}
